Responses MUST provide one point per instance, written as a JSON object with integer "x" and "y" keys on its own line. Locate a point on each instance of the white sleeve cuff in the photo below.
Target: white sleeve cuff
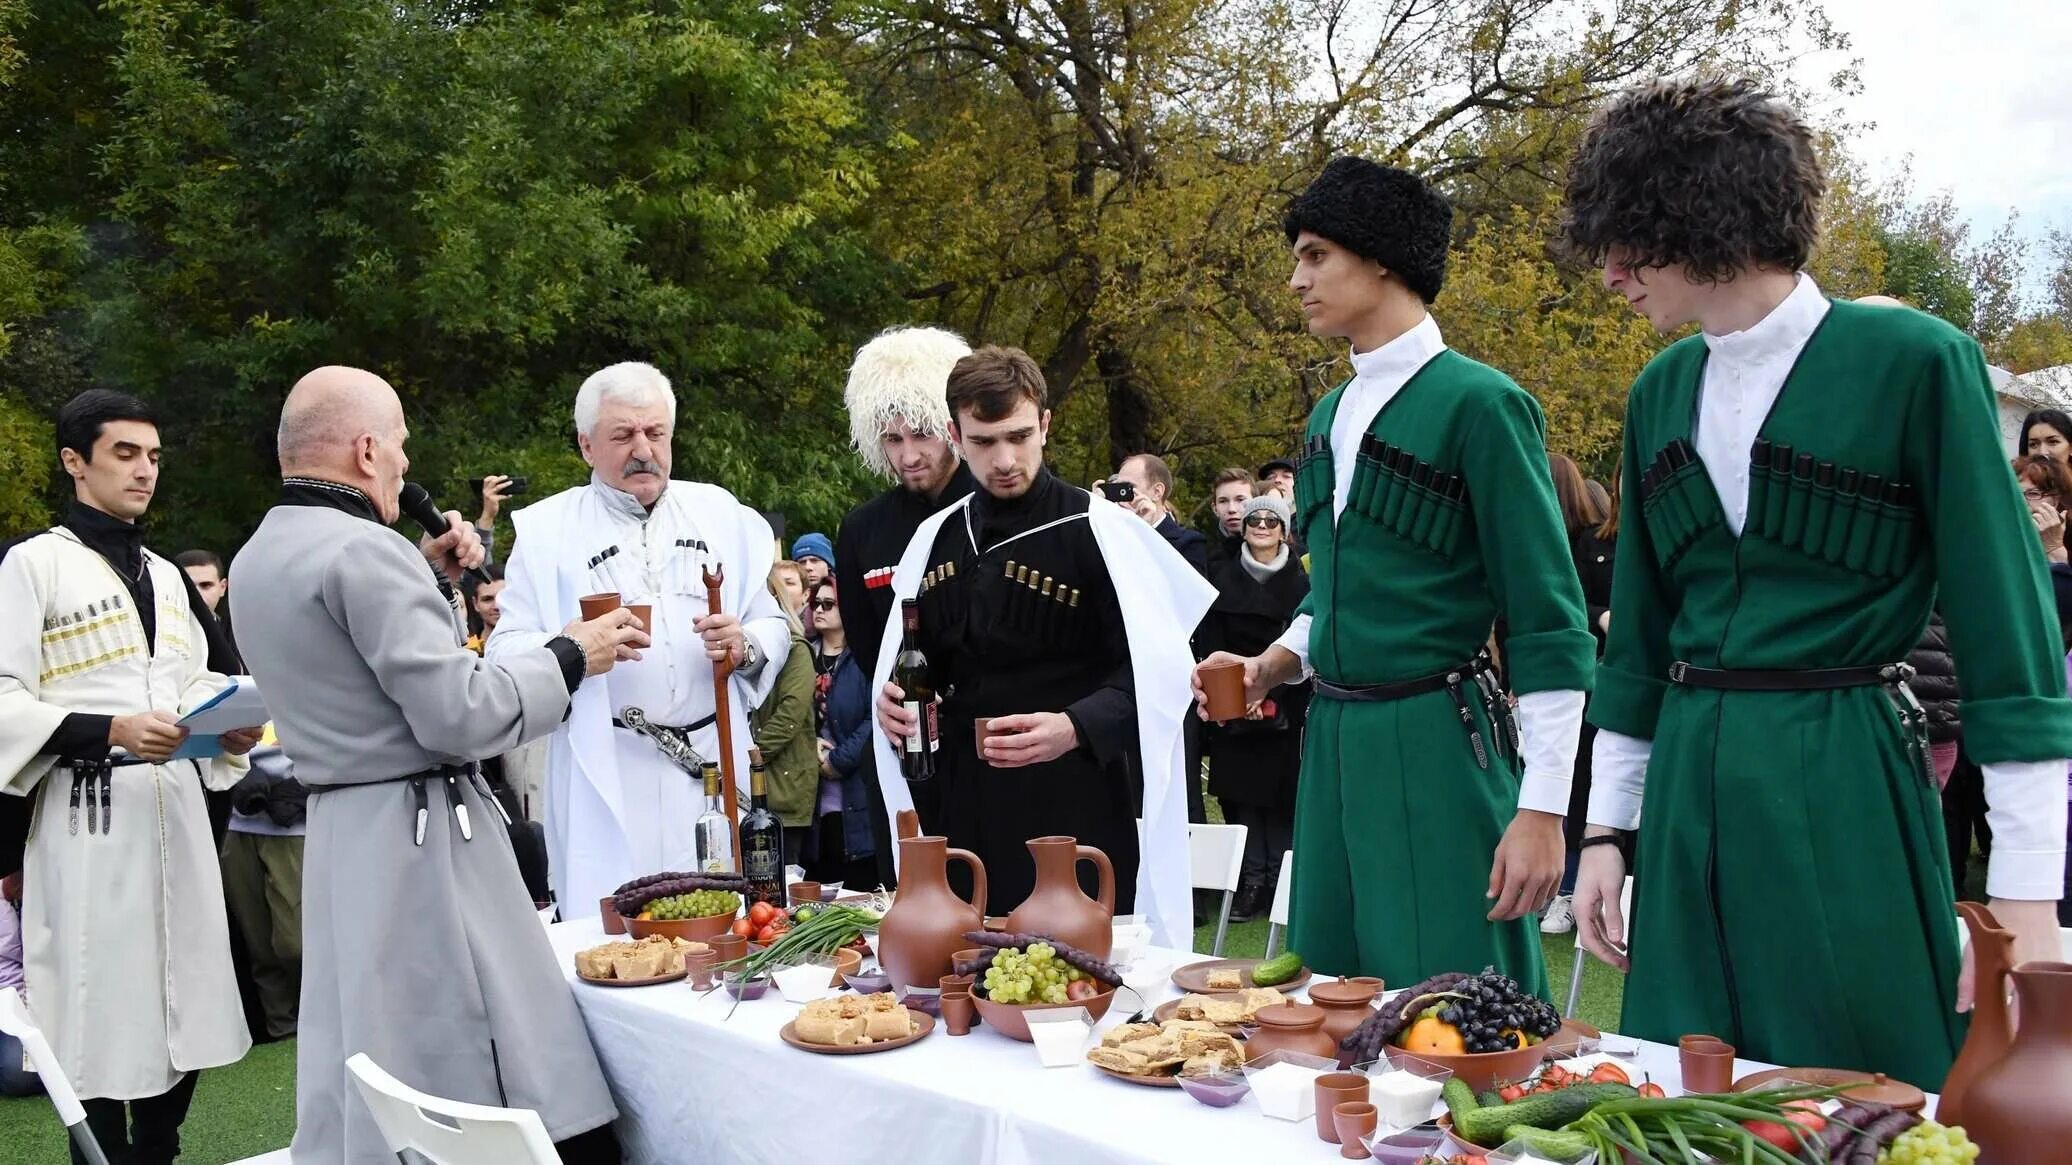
{"x": 1296, "y": 639}
{"x": 1549, "y": 725}
{"x": 1618, "y": 770}
{"x": 2025, "y": 806}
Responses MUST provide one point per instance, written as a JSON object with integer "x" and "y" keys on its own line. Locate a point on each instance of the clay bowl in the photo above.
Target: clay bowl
{"x": 694, "y": 929}
{"x": 847, "y": 960}
{"x": 1012, "y": 1019}
{"x": 1484, "y": 1070}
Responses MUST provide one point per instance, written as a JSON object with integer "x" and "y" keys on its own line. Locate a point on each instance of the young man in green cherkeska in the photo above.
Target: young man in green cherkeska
{"x": 1424, "y": 498}
{"x": 1801, "y": 481}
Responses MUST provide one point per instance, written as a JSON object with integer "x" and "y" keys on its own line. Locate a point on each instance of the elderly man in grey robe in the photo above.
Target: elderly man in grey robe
{"x": 420, "y": 945}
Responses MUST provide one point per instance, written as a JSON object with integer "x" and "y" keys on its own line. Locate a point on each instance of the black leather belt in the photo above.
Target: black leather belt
{"x": 1478, "y": 671}
{"x": 693, "y": 726}
{"x": 1809, "y": 680}
{"x": 453, "y": 775}
{"x": 1893, "y": 677}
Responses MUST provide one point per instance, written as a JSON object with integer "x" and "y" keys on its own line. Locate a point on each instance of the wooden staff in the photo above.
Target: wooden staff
{"x": 723, "y": 716}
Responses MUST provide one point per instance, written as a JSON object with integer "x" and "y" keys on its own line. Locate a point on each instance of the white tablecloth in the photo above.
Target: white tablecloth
{"x": 695, "y": 1086}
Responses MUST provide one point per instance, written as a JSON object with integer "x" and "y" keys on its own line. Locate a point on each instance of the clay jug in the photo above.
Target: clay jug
{"x": 927, "y": 921}
{"x": 1992, "y": 1029}
{"x": 1058, "y": 907}
{"x": 1291, "y": 1027}
{"x": 1346, "y": 1004}
{"x": 2015, "y": 1110}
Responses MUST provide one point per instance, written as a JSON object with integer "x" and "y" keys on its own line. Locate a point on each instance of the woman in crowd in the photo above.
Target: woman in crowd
{"x": 783, "y": 729}
{"x": 841, "y": 849}
{"x": 2047, "y": 488}
{"x": 1591, "y": 528}
{"x": 1253, "y": 762}
{"x": 2045, "y": 433}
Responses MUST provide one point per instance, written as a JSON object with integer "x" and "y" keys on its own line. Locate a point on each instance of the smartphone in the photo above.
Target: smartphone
{"x": 512, "y": 488}
{"x": 1119, "y": 491}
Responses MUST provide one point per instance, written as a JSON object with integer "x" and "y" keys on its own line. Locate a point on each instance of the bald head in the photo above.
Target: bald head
{"x": 345, "y": 425}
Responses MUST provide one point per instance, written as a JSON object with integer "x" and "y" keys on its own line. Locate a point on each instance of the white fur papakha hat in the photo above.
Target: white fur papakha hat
{"x": 902, "y": 374}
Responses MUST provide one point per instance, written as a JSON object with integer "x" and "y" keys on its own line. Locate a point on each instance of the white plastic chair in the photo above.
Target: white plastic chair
{"x": 1216, "y": 860}
{"x": 1575, "y": 972}
{"x": 448, "y": 1132}
{"x": 1277, "y": 918}
{"x": 16, "y": 1021}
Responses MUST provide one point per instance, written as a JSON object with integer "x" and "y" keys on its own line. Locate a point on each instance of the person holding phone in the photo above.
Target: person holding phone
{"x": 493, "y": 490}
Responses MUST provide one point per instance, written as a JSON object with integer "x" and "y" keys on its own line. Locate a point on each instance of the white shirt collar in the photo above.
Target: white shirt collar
{"x": 1400, "y": 358}
{"x": 1784, "y": 331}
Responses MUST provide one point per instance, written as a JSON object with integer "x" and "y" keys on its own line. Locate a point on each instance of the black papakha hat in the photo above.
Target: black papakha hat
{"x": 1381, "y": 213}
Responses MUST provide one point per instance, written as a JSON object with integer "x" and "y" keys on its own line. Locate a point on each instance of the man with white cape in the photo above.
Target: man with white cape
{"x": 1062, "y": 622}
{"x": 617, "y": 807}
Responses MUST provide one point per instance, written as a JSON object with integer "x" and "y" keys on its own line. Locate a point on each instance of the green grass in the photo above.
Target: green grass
{"x": 240, "y": 1111}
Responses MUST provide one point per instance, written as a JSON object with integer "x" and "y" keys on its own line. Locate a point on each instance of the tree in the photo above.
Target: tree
{"x": 1108, "y": 177}
{"x": 481, "y": 202}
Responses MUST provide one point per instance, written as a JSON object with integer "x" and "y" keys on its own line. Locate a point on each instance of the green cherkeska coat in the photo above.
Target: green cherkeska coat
{"x": 1396, "y": 821}
{"x": 1793, "y": 895}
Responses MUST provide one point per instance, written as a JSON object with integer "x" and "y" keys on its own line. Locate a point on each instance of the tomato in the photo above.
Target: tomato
{"x": 761, "y": 913}
{"x": 743, "y": 927}
{"x": 1511, "y": 1092}
{"x": 1082, "y": 989}
{"x": 1652, "y": 1091}
{"x": 1610, "y": 1074}
{"x": 1803, "y": 1120}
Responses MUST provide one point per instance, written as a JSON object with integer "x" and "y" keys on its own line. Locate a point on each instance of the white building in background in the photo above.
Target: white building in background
{"x": 2045, "y": 388}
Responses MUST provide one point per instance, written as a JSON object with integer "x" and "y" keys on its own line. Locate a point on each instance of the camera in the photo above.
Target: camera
{"x": 1119, "y": 491}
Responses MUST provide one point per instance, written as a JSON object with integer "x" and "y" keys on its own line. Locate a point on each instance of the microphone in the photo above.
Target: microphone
{"x": 417, "y": 502}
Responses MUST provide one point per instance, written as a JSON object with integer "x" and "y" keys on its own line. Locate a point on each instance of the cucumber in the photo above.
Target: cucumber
{"x": 1559, "y": 1146}
{"x": 1549, "y": 1110}
{"x": 1460, "y": 1099}
{"x": 1488, "y": 1100}
{"x": 1277, "y": 970}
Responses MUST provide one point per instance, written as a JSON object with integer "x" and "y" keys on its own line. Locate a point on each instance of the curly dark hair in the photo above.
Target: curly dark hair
{"x": 1708, "y": 174}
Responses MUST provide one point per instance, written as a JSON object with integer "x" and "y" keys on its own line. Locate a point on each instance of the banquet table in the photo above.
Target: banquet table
{"x": 695, "y": 1084}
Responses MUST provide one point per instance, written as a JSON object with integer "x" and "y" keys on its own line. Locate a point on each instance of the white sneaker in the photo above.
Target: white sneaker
{"x": 1560, "y": 917}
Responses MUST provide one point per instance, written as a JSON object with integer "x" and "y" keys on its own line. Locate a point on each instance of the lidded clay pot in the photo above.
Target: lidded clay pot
{"x": 1291, "y": 1027}
{"x": 1346, "y": 1005}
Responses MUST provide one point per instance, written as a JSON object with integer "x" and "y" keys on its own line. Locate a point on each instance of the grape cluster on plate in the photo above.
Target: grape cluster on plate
{"x": 696, "y": 904}
{"x": 1032, "y": 975}
{"x": 1929, "y": 1143}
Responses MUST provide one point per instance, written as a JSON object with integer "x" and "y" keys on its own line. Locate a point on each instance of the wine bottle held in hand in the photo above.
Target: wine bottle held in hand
{"x": 910, "y": 671}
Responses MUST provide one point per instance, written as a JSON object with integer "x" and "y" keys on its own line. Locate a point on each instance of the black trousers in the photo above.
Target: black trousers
{"x": 140, "y": 1132}
{"x": 1269, "y": 833}
{"x": 1964, "y": 816}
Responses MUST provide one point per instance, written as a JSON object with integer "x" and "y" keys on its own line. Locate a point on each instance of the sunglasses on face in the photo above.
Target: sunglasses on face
{"x": 822, "y": 604}
{"x": 1262, "y": 520}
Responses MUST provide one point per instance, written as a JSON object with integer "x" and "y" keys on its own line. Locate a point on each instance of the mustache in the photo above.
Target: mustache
{"x": 640, "y": 465}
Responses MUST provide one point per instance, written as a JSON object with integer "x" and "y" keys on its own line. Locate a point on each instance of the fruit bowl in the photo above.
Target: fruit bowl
{"x": 1012, "y": 1019}
{"x": 693, "y": 929}
{"x": 1487, "y": 1070}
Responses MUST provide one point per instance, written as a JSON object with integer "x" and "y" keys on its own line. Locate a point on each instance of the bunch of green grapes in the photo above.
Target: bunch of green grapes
{"x": 1929, "y": 1143}
{"x": 696, "y": 904}
{"x": 1033, "y": 975}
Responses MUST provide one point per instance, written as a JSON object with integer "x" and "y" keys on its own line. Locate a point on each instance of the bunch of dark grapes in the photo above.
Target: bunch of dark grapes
{"x": 1491, "y": 1007}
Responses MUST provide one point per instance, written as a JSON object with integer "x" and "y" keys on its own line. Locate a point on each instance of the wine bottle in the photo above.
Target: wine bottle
{"x": 910, "y": 671}
{"x": 715, "y": 835}
{"x": 762, "y": 839}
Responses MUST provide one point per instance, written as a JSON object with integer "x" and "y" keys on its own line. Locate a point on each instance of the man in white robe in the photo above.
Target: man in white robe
{"x": 126, "y": 944}
{"x": 618, "y": 808}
